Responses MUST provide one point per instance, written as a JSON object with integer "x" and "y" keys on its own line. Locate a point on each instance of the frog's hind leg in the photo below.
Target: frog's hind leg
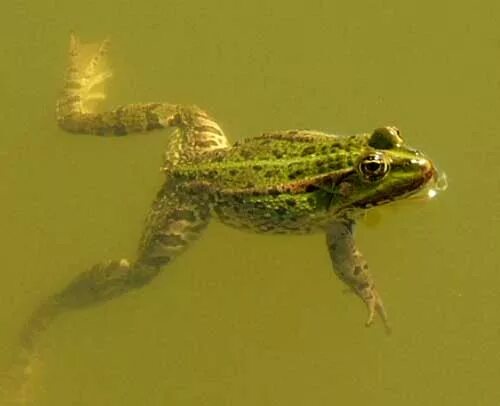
{"x": 75, "y": 110}
{"x": 176, "y": 217}
{"x": 175, "y": 221}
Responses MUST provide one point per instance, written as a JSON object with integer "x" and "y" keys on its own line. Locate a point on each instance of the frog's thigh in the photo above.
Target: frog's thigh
{"x": 175, "y": 220}
{"x": 200, "y": 132}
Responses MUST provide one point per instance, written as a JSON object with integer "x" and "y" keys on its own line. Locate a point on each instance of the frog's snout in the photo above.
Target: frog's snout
{"x": 435, "y": 180}
{"x": 427, "y": 169}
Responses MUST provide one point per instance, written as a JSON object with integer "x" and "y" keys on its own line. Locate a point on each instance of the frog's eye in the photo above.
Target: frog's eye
{"x": 373, "y": 167}
{"x": 385, "y": 138}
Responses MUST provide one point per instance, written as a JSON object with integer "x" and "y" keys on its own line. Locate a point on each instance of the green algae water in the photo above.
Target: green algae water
{"x": 244, "y": 319}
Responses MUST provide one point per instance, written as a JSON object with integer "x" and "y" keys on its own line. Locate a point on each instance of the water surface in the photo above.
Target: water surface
{"x": 243, "y": 319}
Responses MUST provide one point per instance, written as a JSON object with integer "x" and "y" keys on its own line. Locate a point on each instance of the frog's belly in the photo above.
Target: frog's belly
{"x": 273, "y": 215}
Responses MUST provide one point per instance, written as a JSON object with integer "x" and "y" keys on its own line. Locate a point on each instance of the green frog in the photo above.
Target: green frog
{"x": 280, "y": 182}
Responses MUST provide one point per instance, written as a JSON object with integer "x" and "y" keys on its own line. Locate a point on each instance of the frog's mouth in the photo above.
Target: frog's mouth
{"x": 437, "y": 183}
{"x": 432, "y": 182}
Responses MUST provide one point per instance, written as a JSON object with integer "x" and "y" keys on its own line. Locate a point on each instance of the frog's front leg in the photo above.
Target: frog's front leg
{"x": 352, "y": 269}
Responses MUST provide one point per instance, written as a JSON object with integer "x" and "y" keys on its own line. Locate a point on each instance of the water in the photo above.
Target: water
{"x": 243, "y": 319}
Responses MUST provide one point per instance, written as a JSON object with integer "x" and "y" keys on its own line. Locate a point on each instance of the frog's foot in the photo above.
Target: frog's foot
{"x": 373, "y": 301}
{"x": 86, "y": 70}
{"x": 17, "y": 385}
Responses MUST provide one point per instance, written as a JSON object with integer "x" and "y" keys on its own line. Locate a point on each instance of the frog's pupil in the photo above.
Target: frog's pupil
{"x": 372, "y": 166}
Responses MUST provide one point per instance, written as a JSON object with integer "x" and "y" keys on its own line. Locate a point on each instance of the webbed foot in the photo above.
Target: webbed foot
{"x": 87, "y": 69}
{"x": 375, "y": 306}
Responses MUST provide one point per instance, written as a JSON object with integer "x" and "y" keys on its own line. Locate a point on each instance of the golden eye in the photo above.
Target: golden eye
{"x": 373, "y": 166}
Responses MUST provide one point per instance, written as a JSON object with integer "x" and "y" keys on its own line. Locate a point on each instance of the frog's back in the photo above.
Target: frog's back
{"x": 270, "y": 160}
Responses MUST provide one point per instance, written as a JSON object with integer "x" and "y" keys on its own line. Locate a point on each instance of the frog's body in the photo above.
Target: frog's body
{"x": 282, "y": 182}
{"x": 274, "y": 183}
{"x": 293, "y": 181}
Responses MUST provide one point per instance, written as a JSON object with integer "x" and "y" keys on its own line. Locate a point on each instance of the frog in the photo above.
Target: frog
{"x": 279, "y": 182}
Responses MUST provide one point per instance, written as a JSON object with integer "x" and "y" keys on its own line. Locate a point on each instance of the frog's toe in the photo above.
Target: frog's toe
{"x": 376, "y": 306}
{"x": 371, "y": 313}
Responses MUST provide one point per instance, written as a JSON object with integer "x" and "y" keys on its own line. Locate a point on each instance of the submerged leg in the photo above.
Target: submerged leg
{"x": 175, "y": 219}
{"x": 174, "y": 222}
{"x": 352, "y": 269}
{"x": 75, "y": 111}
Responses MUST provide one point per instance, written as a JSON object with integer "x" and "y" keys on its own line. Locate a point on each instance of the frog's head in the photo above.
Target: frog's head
{"x": 387, "y": 170}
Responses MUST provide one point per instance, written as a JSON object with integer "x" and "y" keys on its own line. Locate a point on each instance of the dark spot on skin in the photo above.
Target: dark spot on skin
{"x": 233, "y": 172}
{"x": 270, "y": 174}
{"x": 363, "y": 286}
{"x": 222, "y": 216}
{"x": 295, "y": 174}
{"x": 311, "y": 149}
{"x": 237, "y": 199}
{"x": 310, "y": 188}
{"x": 206, "y": 143}
{"x": 357, "y": 270}
{"x": 291, "y": 202}
{"x": 197, "y": 227}
{"x": 280, "y": 210}
{"x": 171, "y": 240}
{"x": 158, "y": 261}
{"x": 345, "y": 189}
{"x": 277, "y": 153}
{"x": 334, "y": 147}
{"x": 206, "y": 128}
{"x": 119, "y": 129}
{"x": 247, "y": 154}
{"x": 187, "y": 215}
{"x": 152, "y": 121}
{"x": 274, "y": 192}
{"x": 256, "y": 167}
{"x": 218, "y": 156}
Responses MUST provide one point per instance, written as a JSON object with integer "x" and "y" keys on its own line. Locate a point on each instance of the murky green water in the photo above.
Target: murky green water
{"x": 243, "y": 319}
